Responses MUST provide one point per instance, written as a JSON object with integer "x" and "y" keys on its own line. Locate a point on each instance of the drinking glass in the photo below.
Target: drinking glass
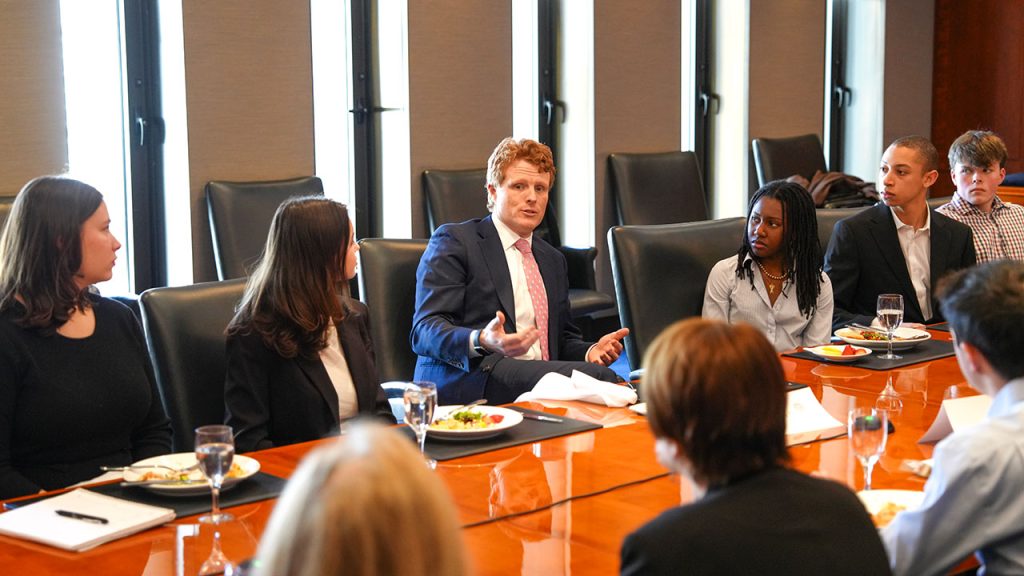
{"x": 890, "y": 315}
{"x": 215, "y": 450}
{"x": 420, "y": 399}
{"x": 869, "y": 429}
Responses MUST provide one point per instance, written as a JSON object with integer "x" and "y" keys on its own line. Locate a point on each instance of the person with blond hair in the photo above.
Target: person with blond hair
{"x": 365, "y": 505}
{"x": 716, "y": 403}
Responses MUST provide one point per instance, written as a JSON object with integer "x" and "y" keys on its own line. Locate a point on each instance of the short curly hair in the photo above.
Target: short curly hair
{"x": 508, "y": 152}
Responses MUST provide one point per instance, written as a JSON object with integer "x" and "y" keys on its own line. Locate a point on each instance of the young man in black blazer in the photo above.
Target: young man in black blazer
{"x": 899, "y": 246}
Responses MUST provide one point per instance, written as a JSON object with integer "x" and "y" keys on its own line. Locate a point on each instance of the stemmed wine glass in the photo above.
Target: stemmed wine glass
{"x": 420, "y": 399}
{"x": 890, "y": 314}
{"x": 215, "y": 450}
{"x": 869, "y": 429}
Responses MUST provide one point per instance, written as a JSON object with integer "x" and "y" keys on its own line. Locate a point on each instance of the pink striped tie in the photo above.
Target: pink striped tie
{"x": 537, "y": 294}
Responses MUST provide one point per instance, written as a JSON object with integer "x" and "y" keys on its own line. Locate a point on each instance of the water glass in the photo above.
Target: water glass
{"x": 215, "y": 451}
{"x": 890, "y": 314}
{"x": 420, "y": 399}
{"x": 869, "y": 430}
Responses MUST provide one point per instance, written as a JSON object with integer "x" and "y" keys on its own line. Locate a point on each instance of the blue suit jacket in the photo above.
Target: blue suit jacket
{"x": 462, "y": 280}
{"x": 864, "y": 259}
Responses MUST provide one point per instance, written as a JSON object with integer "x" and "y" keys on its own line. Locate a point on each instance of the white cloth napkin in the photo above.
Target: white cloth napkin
{"x": 579, "y": 386}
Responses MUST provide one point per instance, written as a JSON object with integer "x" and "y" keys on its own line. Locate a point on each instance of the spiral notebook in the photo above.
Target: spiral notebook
{"x": 81, "y": 519}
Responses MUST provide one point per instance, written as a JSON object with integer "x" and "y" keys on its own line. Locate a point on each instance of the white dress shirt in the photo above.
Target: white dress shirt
{"x": 917, "y": 251}
{"x": 334, "y": 361}
{"x": 972, "y": 500}
{"x": 731, "y": 298}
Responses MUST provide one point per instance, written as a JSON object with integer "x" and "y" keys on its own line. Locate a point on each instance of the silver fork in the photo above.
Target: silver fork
{"x": 148, "y": 466}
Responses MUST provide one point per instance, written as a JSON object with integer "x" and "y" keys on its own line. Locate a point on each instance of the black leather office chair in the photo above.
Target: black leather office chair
{"x": 827, "y": 218}
{"x": 5, "y": 209}
{"x": 460, "y": 195}
{"x": 780, "y": 158}
{"x": 659, "y": 188}
{"x": 660, "y": 273}
{"x": 240, "y": 215}
{"x": 185, "y": 332}
{"x": 387, "y": 285}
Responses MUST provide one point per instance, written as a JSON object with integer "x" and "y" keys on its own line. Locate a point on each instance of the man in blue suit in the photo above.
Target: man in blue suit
{"x": 492, "y": 305}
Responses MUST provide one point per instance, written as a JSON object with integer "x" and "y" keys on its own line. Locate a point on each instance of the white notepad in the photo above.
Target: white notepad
{"x": 41, "y": 522}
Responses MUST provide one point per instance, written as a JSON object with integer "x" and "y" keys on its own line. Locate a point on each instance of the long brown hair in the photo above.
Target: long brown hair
{"x": 718, "y": 391}
{"x": 41, "y": 251}
{"x": 298, "y": 287}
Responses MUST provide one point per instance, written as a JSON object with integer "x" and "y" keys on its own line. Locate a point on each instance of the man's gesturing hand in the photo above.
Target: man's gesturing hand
{"x": 608, "y": 348}
{"x": 494, "y": 338}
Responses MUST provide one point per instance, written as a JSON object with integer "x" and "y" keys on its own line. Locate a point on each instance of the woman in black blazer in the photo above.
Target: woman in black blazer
{"x": 300, "y": 356}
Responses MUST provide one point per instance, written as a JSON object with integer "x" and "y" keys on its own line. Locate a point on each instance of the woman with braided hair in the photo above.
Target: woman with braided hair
{"x": 775, "y": 282}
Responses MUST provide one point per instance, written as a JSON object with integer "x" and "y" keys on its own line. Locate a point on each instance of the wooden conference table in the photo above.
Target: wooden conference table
{"x": 608, "y": 478}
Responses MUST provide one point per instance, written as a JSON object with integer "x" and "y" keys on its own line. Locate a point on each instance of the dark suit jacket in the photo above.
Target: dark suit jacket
{"x": 778, "y": 521}
{"x": 272, "y": 401}
{"x": 462, "y": 280}
{"x": 864, "y": 260}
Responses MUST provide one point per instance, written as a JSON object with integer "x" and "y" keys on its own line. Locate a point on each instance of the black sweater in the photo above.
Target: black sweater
{"x": 69, "y": 405}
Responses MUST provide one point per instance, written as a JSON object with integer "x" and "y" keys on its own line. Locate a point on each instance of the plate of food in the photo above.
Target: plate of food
{"x": 178, "y": 475}
{"x": 836, "y": 353}
{"x": 459, "y": 423}
{"x": 903, "y": 338}
{"x": 884, "y": 505}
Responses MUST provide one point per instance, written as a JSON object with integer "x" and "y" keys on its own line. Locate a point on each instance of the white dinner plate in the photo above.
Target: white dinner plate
{"x": 875, "y": 500}
{"x": 183, "y": 460}
{"x": 905, "y": 338}
{"x": 834, "y": 353}
{"x": 511, "y": 418}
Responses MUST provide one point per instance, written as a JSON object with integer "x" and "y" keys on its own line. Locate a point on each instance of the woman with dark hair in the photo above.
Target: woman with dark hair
{"x": 77, "y": 390}
{"x": 775, "y": 282}
{"x": 716, "y": 403}
{"x": 300, "y": 357}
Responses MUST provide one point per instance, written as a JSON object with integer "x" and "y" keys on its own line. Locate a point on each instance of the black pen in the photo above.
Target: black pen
{"x": 82, "y": 517}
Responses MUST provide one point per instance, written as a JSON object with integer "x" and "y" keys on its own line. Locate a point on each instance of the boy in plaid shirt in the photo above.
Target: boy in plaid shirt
{"x": 977, "y": 162}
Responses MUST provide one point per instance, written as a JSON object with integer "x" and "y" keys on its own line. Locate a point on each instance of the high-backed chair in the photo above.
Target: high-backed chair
{"x": 780, "y": 158}
{"x": 185, "y": 333}
{"x": 387, "y": 285}
{"x": 459, "y": 195}
{"x": 240, "y": 215}
{"x": 659, "y": 188}
{"x": 5, "y": 209}
{"x": 937, "y": 201}
{"x": 660, "y": 273}
{"x": 827, "y": 218}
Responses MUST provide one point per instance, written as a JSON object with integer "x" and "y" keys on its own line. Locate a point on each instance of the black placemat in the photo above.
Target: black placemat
{"x": 944, "y": 327}
{"x": 923, "y": 352}
{"x": 526, "y": 432}
{"x": 261, "y": 486}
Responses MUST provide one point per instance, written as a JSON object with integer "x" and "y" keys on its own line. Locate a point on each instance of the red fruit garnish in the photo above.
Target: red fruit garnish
{"x": 496, "y": 418}
{"x": 850, "y": 351}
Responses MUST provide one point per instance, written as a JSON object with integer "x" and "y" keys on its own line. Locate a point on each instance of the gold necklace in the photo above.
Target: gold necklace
{"x": 771, "y": 285}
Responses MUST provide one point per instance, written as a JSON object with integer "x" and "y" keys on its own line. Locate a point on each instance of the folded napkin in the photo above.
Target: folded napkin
{"x": 579, "y": 386}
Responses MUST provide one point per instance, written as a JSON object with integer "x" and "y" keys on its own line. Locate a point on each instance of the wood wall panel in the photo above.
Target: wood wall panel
{"x": 460, "y": 89}
{"x": 249, "y": 82}
{"x": 979, "y": 76}
{"x": 33, "y": 126}
{"x": 637, "y": 102}
{"x": 787, "y": 68}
